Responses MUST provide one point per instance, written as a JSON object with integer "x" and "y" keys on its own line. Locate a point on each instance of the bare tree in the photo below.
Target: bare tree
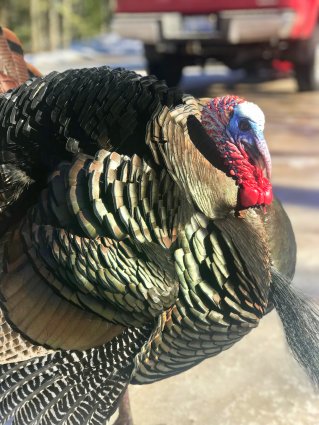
{"x": 49, "y": 24}
{"x": 54, "y": 24}
{"x": 4, "y": 13}
{"x": 67, "y": 8}
{"x": 34, "y": 24}
{"x": 39, "y": 25}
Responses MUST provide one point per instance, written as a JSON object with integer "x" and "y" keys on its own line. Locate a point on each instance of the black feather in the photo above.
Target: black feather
{"x": 70, "y": 387}
{"x": 300, "y": 319}
{"x": 203, "y": 143}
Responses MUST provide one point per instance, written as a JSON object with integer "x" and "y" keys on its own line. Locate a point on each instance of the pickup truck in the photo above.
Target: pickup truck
{"x": 249, "y": 34}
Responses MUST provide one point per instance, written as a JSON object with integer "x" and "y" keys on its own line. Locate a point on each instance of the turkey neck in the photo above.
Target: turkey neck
{"x": 179, "y": 142}
{"x": 220, "y": 299}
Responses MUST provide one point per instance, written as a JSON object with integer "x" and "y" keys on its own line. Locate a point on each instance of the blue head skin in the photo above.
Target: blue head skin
{"x": 246, "y": 127}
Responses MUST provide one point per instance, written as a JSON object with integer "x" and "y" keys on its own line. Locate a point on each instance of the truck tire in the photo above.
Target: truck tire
{"x": 305, "y": 63}
{"x": 305, "y": 76}
{"x": 166, "y": 66}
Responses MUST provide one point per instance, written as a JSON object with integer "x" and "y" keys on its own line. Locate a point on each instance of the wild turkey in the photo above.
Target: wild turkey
{"x": 139, "y": 237}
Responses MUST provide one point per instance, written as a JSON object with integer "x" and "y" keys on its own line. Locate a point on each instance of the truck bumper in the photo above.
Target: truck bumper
{"x": 233, "y": 26}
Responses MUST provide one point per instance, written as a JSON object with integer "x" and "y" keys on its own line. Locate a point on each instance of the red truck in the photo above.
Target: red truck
{"x": 247, "y": 34}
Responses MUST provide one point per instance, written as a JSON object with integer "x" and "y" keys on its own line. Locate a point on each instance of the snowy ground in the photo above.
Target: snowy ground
{"x": 108, "y": 49}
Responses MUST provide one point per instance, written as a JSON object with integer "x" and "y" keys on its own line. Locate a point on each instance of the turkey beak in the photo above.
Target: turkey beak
{"x": 259, "y": 151}
{"x": 263, "y": 154}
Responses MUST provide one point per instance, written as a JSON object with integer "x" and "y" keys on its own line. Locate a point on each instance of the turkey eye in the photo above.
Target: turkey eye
{"x": 244, "y": 125}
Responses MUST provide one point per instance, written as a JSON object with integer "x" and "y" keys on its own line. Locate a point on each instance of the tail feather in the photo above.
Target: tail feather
{"x": 12, "y": 62}
{"x": 14, "y": 71}
{"x": 300, "y": 319}
{"x": 77, "y": 400}
{"x": 70, "y": 387}
{"x": 33, "y": 71}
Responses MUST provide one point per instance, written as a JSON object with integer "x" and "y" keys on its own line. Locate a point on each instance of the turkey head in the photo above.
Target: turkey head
{"x": 237, "y": 128}
{"x": 219, "y": 155}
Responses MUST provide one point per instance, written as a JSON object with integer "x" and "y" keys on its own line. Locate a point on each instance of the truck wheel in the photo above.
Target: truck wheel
{"x": 306, "y": 75}
{"x": 305, "y": 64}
{"x": 168, "y": 68}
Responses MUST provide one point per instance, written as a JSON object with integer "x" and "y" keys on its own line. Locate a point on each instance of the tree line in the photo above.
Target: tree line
{"x": 51, "y": 24}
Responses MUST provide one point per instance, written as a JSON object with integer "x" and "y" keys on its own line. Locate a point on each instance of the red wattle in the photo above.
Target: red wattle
{"x": 254, "y": 188}
{"x": 268, "y": 196}
{"x": 267, "y": 190}
{"x": 248, "y": 196}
